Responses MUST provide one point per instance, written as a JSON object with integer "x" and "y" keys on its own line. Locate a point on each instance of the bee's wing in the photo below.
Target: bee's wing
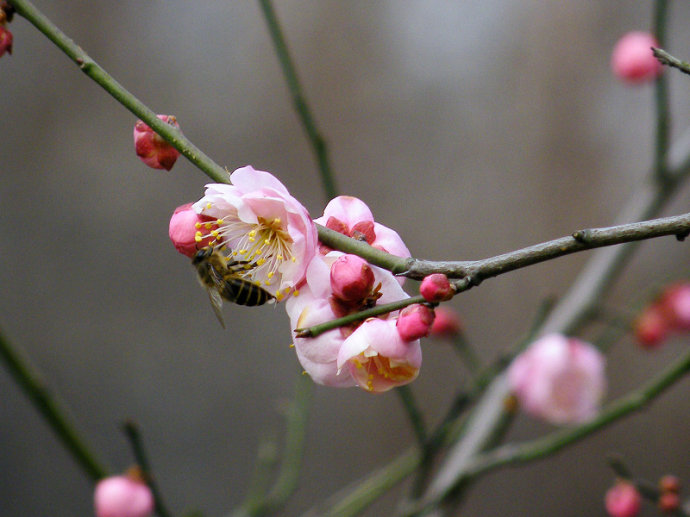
{"x": 217, "y": 304}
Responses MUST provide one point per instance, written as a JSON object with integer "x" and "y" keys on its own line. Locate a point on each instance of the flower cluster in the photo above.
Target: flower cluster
{"x": 256, "y": 224}
{"x": 668, "y": 313}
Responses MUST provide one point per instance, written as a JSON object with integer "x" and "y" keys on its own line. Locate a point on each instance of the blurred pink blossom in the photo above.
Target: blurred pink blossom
{"x": 122, "y": 496}
{"x": 5, "y": 40}
{"x": 622, "y": 500}
{"x": 151, "y": 148}
{"x": 632, "y": 60}
{"x": 260, "y": 222}
{"x": 559, "y": 379}
{"x": 447, "y": 323}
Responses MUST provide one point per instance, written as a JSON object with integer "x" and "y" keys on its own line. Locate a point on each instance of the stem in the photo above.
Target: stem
{"x": 667, "y": 59}
{"x": 299, "y": 99}
{"x": 30, "y": 382}
{"x": 134, "y": 436}
{"x": 412, "y": 409}
{"x": 119, "y": 93}
{"x": 661, "y": 98}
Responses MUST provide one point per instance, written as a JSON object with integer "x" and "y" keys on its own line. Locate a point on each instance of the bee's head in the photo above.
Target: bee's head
{"x": 202, "y": 254}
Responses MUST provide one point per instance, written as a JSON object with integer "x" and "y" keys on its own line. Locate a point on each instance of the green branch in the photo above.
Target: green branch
{"x": 299, "y": 99}
{"x": 108, "y": 83}
{"x": 49, "y": 408}
{"x": 667, "y": 59}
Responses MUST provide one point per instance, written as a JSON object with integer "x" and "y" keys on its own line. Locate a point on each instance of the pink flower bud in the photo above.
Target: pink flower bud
{"x": 415, "y": 322}
{"x": 436, "y": 288}
{"x": 668, "y": 502}
{"x": 153, "y": 150}
{"x": 559, "y": 379}
{"x": 446, "y": 324}
{"x": 187, "y": 229}
{"x": 5, "y": 40}
{"x": 651, "y": 327}
{"x": 669, "y": 483}
{"x": 122, "y": 496}
{"x": 632, "y": 60}
{"x": 351, "y": 278}
{"x": 623, "y": 500}
{"x": 675, "y": 304}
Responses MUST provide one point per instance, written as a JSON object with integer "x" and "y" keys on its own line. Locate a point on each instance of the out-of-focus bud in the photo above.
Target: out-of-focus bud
{"x": 123, "y": 496}
{"x": 446, "y": 324}
{"x": 559, "y": 379}
{"x": 436, "y": 288}
{"x": 415, "y": 322}
{"x": 186, "y": 230}
{"x": 623, "y": 500}
{"x": 651, "y": 327}
{"x": 632, "y": 60}
{"x": 669, "y": 483}
{"x": 5, "y": 40}
{"x": 675, "y": 304}
{"x": 351, "y": 278}
{"x": 153, "y": 150}
{"x": 668, "y": 502}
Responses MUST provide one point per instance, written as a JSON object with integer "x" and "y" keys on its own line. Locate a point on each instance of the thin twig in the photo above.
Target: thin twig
{"x": 317, "y": 141}
{"x": 662, "y": 110}
{"x": 48, "y": 406}
{"x": 667, "y": 59}
{"x": 134, "y": 436}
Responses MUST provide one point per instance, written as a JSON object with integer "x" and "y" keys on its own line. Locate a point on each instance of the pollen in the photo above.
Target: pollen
{"x": 279, "y": 297}
{"x": 270, "y": 275}
{"x": 292, "y": 345}
{"x": 197, "y": 225}
{"x": 208, "y": 206}
{"x": 208, "y": 226}
{"x": 198, "y": 237}
{"x": 279, "y": 257}
{"x": 295, "y": 292}
{"x": 294, "y": 259}
{"x": 277, "y": 221}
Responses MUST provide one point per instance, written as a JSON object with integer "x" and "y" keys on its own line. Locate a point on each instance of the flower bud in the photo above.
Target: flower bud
{"x": 151, "y": 148}
{"x": 446, "y": 324}
{"x": 651, "y": 327}
{"x": 415, "y": 322}
{"x": 669, "y": 483}
{"x": 675, "y": 304}
{"x": 123, "y": 496}
{"x": 632, "y": 60}
{"x": 668, "y": 502}
{"x": 559, "y": 379}
{"x": 436, "y": 288}
{"x": 351, "y": 278}
{"x": 5, "y": 40}
{"x": 623, "y": 500}
{"x": 186, "y": 229}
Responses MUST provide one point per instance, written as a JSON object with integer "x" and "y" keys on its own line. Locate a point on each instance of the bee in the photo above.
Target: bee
{"x": 222, "y": 280}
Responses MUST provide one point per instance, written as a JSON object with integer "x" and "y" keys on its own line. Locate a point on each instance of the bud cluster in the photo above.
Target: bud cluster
{"x": 669, "y": 313}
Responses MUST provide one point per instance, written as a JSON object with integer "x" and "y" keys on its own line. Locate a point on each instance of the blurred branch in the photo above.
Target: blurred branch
{"x": 667, "y": 59}
{"x": 109, "y": 84}
{"x": 30, "y": 382}
{"x": 134, "y": 436}
{"x": 663, "y": 115}
{"x": 514, "y": 454}
{"x": 412, "y": 409}
{"x": 299, "y": 99}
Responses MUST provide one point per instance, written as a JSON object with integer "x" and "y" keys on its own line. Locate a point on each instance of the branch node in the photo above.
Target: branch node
{"x": 681, "y": 236}
{"x": 581, "y": 236}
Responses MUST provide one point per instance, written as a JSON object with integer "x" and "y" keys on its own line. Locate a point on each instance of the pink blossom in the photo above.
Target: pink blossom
{"x": 436, "y": 288}
{"x": 315, "y": 303}
{"x": 446, "y": 324}
{"x": 122, "y": 496}
{"x": 675, "y": 304}
{"x": 559, "y": 379}
{"x": 351, "y": 216}
{"x": 259, "y": 221}
{"x": 651, "y": 327}
{"x": 151, "y": 148}
{"x": 186, "y": 228}
{"x": 415, "y": 322}
{"x": 623, "y": 500}
{"x": 351, "y": 278}
{"x": 377, "y": 357}
{"x": 632, "y": 60}
{"x": 5, "y": 40}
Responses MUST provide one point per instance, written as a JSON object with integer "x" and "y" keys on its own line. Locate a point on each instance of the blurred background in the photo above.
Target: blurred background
{"x": 473, "y": 128}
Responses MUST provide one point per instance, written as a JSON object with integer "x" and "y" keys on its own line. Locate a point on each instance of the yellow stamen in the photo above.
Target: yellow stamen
{"x": 197, "y": 225}
{"x": 208, "y": 205}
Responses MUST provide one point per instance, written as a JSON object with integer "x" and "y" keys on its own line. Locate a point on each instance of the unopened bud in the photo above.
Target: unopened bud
{"x": 446, "y": 324}
{"x": 675, "y": 304}
{"x": 668, "y": 502}
{"x": 669, "y": 483}
{"x": 190, "y": 231}
{"x": 151, "y": 148}
{"x": 5, "y": 40}
{"x": 651, "y": 327}
{"x": 436, "y": 288}
{"x": 122, "y": 496}
{"x": 632, "y": 60}
{"x": 351, "y": 278}
{"x": 415, "y": 322}
{"x": 623, "y": 500}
